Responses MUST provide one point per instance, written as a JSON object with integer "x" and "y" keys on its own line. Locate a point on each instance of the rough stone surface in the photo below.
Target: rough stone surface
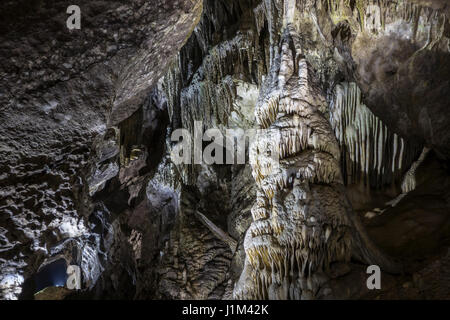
{"x": 57, "y": 91}
{"x": 399, "y": 56}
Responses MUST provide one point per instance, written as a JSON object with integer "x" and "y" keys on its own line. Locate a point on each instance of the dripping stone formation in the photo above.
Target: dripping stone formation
{"x": 341, "y": 106}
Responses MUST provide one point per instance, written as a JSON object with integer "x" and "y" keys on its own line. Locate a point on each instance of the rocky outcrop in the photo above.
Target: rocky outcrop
{"x": 59, "y": 89}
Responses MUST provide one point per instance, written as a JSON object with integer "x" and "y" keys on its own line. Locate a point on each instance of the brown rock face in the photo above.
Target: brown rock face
{"x": 404, "y": 86}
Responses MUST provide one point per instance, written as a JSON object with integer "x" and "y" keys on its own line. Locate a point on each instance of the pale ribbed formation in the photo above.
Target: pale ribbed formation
{"x": 371, "y": 152}
{"x": 300, "y": 224}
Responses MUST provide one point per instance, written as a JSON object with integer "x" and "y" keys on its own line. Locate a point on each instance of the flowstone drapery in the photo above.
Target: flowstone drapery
{"x": 302, "y": 220}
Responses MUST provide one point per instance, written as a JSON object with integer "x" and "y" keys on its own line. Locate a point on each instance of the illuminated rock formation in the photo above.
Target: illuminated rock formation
{"x": 302, "y": 221}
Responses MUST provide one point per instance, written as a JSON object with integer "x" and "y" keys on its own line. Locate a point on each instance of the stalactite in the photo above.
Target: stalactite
{"x": 208, "y": 95}
{"x": 409, "y": 180}
{"x": 365, "y": 12}
{"x": 211, "y": 85}
{"x": 376, "y": 155}
{"x": 285, "y": 246}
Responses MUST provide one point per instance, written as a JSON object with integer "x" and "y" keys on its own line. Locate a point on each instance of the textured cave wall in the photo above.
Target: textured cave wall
{"x": 57, "y": 91}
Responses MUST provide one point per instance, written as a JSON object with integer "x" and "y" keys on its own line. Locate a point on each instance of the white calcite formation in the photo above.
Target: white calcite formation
{"x": 372, "y": 152}
{"x": 409, "y": 181}
{"x": 302, "y": 221}
{"x": 295, "y": 234}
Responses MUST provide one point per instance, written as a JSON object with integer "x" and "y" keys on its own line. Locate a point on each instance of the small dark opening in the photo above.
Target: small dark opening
{"x": 52, "y": 275}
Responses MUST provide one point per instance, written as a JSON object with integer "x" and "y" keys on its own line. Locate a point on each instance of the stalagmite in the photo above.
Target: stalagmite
{"x": 409, "y": 180}
{"x": 302, "y": 219}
